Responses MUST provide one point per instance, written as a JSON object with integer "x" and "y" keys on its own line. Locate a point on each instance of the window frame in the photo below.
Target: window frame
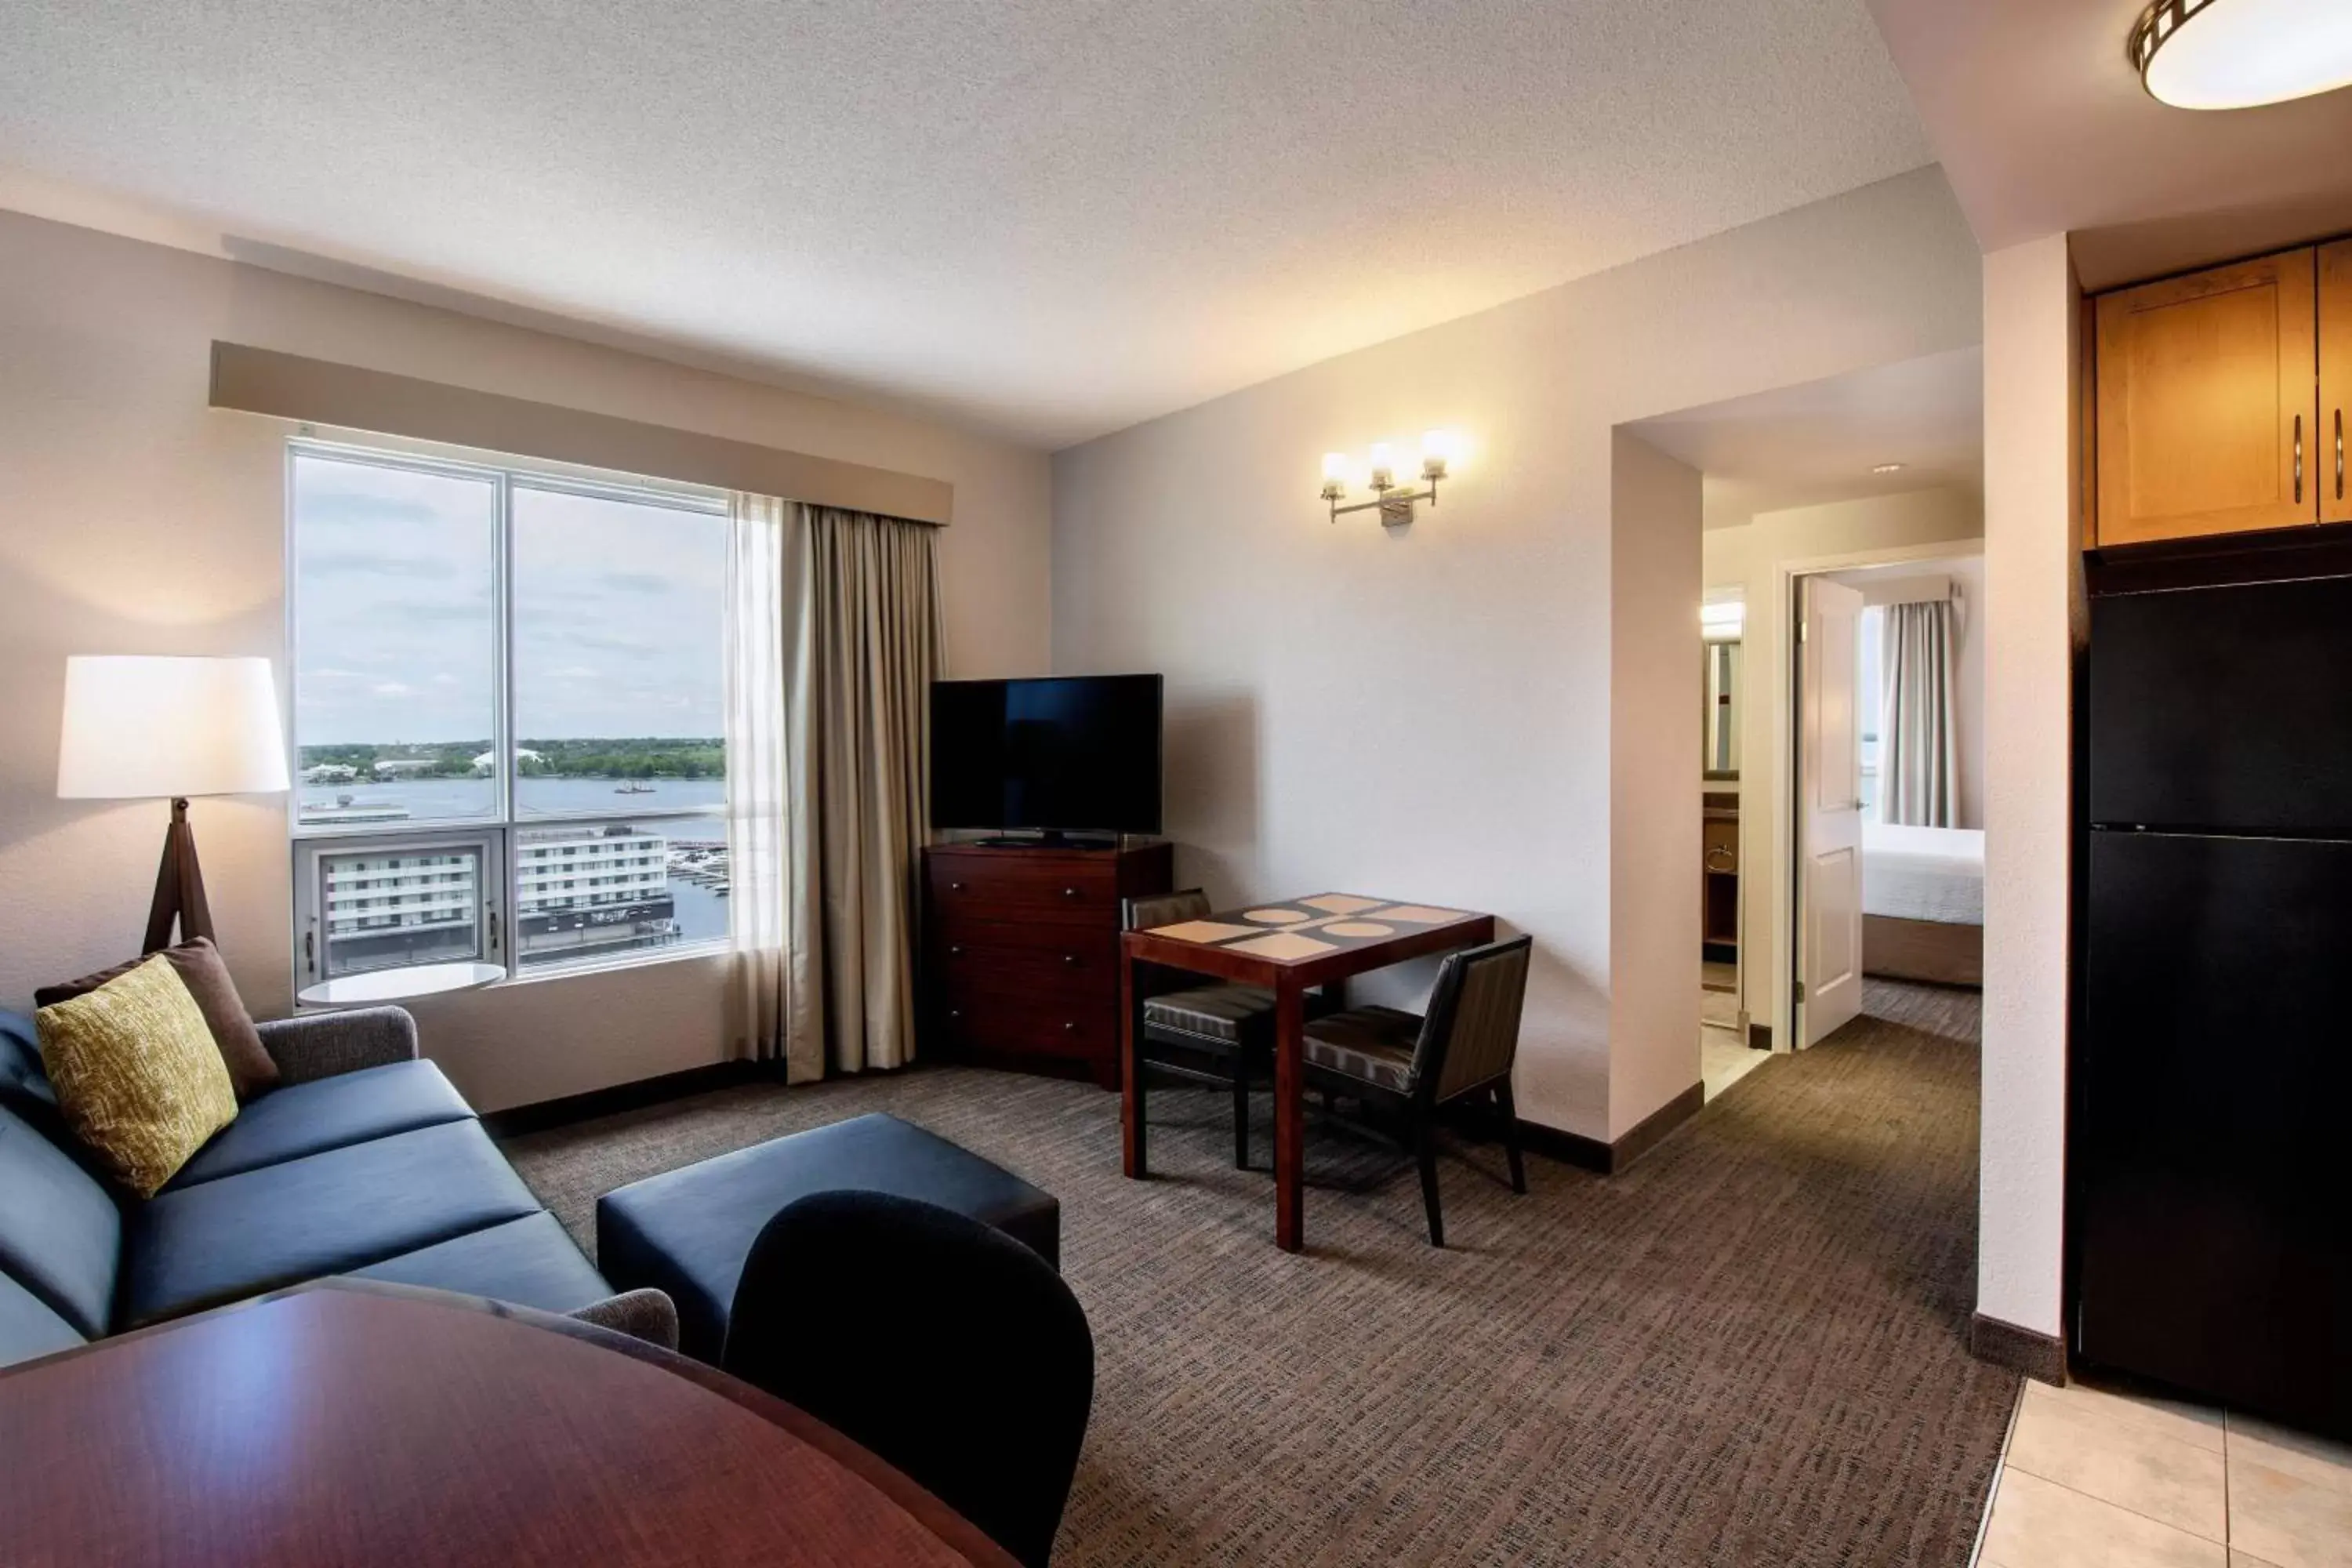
{"x": 499, "y": 904}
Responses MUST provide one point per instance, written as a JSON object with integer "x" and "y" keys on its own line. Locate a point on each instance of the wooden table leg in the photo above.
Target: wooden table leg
{"x": 1130, "y": 1071}
{"x": 1289, "y": 1116}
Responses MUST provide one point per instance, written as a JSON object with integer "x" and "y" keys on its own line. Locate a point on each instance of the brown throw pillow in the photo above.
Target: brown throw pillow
{"x": 198, "y": 964}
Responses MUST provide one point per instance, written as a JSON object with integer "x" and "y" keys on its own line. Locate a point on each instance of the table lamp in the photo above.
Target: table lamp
{"x": 138, "y": 728}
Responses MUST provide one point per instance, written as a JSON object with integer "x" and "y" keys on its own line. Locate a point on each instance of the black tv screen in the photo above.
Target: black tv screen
{"x": 1071, "y": 754}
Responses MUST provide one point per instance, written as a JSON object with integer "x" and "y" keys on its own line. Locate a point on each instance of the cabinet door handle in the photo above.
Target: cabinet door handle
{"x": 2339, "y": 454}
{"x": 2298, "y": 460}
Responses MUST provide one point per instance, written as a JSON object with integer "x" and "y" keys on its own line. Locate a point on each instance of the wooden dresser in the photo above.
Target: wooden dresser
{"x": 1021, "y": 953}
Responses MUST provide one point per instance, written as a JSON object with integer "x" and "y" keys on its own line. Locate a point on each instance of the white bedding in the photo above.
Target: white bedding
{"x": 1923, "y": 873}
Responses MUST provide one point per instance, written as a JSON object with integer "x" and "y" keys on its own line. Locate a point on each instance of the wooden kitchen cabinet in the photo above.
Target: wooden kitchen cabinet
{"x": 2335, "y": 378}
{"x": 2208, "y": 400}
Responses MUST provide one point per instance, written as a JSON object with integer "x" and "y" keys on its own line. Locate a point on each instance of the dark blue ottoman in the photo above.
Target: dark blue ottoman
{"x": 686, "y": 1231}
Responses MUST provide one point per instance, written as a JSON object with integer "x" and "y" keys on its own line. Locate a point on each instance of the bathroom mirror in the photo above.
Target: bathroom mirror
{"x": 1721, "y": 717}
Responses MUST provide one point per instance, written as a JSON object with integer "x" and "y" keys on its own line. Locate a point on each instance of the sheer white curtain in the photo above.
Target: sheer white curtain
{"x": 761, "y": 986}
{"x": 1918, "y": 757}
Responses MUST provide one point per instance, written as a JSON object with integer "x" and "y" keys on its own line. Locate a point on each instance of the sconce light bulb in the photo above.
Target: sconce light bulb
{"x": 1383, "y": 463}
{"x": 1335, "y": 467}
{"x": 1436, "y": 452}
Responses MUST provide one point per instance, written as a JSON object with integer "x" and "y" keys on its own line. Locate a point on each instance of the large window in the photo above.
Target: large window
{"x": 508, "y": 715}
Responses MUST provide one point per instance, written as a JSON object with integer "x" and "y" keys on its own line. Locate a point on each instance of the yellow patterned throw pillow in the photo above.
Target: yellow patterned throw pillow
{"x": 137, "y": 1074}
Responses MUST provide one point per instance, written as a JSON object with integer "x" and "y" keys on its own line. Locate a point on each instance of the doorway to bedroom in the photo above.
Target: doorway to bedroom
{"x": 1867, "y": 485}
{"x": 1886, "y": 719}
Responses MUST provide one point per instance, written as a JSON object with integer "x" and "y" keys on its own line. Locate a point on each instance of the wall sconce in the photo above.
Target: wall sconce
{"x": 1395, "y": 504}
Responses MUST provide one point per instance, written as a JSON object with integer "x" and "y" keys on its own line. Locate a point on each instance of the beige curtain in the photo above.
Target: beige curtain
{"x": 862, "y": 608}
{"x": 1918, "y": 756}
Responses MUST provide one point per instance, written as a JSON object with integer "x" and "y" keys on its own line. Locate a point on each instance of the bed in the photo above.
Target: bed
{"x": 1922, "y": 903}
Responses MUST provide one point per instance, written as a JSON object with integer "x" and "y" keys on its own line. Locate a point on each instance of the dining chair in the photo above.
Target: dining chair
{"x": 843, "y": 1311}
{"x": 1217, "y": 1034}
{"x": 1416, "y": 1066}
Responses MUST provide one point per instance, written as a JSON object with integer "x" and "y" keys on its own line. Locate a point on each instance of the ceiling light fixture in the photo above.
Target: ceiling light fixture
{"x": 2237, "y": 54}
{"x": 1887, "y": 468}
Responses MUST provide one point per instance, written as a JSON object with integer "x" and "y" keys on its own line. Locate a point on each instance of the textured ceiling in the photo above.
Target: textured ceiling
{"x": 1054, "y": 218}
{"x": 1817, "y": 443}
{"x": 2044, "y": 128}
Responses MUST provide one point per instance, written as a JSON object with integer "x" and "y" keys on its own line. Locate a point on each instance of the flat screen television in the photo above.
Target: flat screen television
{"x": 1067, "y": 754}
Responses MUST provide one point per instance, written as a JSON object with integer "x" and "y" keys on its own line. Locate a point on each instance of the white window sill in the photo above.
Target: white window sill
{"x": 645, "y": 958}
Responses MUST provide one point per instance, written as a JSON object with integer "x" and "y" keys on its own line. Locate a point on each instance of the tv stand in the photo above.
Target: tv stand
{"x": 1021, "y": 951}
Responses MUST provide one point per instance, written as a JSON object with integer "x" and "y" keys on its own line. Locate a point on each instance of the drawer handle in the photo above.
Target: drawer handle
{"x": 1070, "y": 959}
{"x": 2298, "y": 460}
{"x": 955, "y": 1013}
{"x": 1070, "y": 1028}
{"x": 955, "y": 887}
{"x": 1720, "y": 860}
{"x": 1069, "y": 893}
{"x": 955, "y": 952}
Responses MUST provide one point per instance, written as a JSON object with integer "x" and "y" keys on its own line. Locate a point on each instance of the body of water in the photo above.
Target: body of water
{"x": 431, "y": 800}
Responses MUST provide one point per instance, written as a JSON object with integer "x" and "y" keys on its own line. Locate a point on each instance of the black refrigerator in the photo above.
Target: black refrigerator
{"x": 2211, "y": 1140}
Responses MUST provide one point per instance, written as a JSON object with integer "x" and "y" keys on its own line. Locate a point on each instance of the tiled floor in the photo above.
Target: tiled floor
{"x": 1724, "y": 1058}
{"x": 2102, "y": 1478}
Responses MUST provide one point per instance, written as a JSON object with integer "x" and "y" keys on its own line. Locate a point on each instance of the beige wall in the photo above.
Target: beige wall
{"x": 2033, "y": 571}
{"x": 133, "y": 519}
{"x": 1427, "y": 712}
{"x": 1654, "y": 782}
{"x": 1918, "y": 524}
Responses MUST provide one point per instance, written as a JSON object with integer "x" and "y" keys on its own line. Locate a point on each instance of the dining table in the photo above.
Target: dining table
{"x": 358, "y": 1424}
{"x": 1289, "y": 946}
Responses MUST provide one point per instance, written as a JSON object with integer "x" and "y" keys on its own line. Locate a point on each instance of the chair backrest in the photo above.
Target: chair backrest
{"x": 944, "y": 1346}
{"x": 1163, "y": 908}
{"x": 1470, "y": 1034}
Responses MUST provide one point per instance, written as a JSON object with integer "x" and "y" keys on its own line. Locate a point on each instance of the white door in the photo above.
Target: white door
{"x": 1829, "y": 817}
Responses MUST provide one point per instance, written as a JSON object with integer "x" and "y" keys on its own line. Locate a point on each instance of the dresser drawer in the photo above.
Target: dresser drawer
{"x": 1012, "y": 888}
{"x": 989, "y": 1024}
{"x": 1063, "y": 961}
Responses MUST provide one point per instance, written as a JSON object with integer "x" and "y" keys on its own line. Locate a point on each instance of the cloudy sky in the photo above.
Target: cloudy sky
{"x": 617, "y": 611}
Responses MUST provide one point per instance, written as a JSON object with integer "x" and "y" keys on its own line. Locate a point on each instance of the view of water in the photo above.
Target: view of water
{"x": 443, "y": 800}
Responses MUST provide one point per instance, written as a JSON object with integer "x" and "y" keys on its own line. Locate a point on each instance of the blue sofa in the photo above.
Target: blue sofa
{"x": 363, "y": 1160}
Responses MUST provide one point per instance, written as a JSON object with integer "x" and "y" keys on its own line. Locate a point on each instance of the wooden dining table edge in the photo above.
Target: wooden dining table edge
{"x": 950, "y": 1528}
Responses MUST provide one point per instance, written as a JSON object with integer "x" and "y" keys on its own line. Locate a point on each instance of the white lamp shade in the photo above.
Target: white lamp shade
{"x": 137, "y": 728}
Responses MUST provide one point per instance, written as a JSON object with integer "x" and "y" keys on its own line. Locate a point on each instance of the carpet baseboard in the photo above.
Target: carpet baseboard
{"x": 1609, "y": 1159}
{"x": 542, "y": 1115}
{"x": 2039, "y": 1356}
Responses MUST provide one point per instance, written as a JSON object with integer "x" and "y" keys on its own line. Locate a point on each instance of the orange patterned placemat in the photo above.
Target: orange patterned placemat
{"x": 1420, "y": 915}
{"x": 1341, "y": 903}
{"x": 1202, "y": 932}
{"x": 1283, "y": 945}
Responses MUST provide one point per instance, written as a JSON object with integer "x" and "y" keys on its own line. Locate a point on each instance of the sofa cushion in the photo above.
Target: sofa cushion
{"x": 303, "y": 1119}
{"x": 325, "y": 1214}
{"x": 686, "y": 1231}
{"x": 27, "y": 1327}
{"x": 531, "y": 1262}
{"x": 24, "y": 1082}
{"x": 198, "y": 964}
{"x": 137, "y": 1074}
{"x": 60, "y": 1234}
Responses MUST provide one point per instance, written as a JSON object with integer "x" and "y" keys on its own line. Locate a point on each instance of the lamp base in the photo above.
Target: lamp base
{"x": 179, "y": 887}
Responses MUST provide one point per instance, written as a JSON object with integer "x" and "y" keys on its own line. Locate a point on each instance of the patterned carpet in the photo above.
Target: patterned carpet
{"x": 1748, "y": 1348}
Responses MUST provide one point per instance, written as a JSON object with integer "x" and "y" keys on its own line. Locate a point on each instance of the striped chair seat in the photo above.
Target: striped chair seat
{"x": 1223, "y": 1014}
